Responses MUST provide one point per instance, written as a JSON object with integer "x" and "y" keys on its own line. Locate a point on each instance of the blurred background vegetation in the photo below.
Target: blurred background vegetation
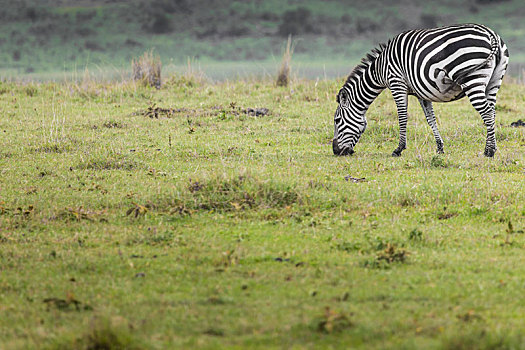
{"x": 41, "y": 39}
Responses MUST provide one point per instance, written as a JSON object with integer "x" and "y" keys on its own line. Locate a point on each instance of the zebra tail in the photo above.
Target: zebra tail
{"x": 494, "y": 48}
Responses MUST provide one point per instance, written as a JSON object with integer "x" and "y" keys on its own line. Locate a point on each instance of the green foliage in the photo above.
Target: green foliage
{"x": 44, "y": 36}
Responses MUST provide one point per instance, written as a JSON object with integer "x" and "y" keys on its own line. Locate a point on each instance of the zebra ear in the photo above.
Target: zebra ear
{"x": 343, "y": 98}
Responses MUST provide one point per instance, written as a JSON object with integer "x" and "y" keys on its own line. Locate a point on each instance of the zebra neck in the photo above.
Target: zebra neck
{"x": 362, "y": 94}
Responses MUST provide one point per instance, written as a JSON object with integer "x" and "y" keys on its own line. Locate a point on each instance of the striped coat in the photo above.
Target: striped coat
{"x": 435, "y": 65}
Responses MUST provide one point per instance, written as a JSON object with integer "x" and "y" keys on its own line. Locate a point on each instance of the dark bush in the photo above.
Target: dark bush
{"x": 171, "y": 6}
{"x": 44, "y": 29}
{"x": 13, "y": 11}
{"x": 235, "y": 29}
{"x": 295, "y": 22}
{"x": 156, "y": 15}
{"x": 132, "y": 43}
{"x": 206, "y": 32}
{"x": 365, "y": 25}
{"x": 84, "y": 31}
{"x": 346, "y": 19}
{"x": 93, "y": 46}
{"x": 484, "y": 2}
{"x": 160, "y": 24}
{"x": 269, "y": 16}
{"x": 84, "y": 16}
{"x": 429, "y": 21}
{"x": 31, "y": 14}
{"x": 16, "y": 55}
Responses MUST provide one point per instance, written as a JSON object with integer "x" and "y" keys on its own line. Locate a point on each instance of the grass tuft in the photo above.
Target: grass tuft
{"x": 483, "y": 339}
{"x": 390, "y": 255}
{"x": 438, "y": 161}
{"x": 283, "y": 77}
{"x": 230, "y": 194}
{"x": 51, "y": 147}
{"x": 115, "y": 162}
{"x": 103, "y": 334}
{"x": 332, "y": 322}
{"x": 80, "y": 214}
{"x": 113, "y": 124}
{"x": 147, "y": 69}
{"x": 240, "y": 193}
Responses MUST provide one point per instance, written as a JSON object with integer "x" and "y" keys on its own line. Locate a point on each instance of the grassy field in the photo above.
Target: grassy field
{"x": 175, "y": 218}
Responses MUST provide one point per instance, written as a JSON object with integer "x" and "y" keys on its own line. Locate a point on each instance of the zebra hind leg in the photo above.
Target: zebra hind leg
{"x": 431, "y": 120}
{"x": 497, "y": 76}
{"x": 487, "y": 110}
{"x": 401, "y": 98}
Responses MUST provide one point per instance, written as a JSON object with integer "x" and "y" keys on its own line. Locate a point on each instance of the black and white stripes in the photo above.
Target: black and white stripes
{"x": 435, "y": 65}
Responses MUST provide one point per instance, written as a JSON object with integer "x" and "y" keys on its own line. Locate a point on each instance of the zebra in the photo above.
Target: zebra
{"x": 436, "y": 65}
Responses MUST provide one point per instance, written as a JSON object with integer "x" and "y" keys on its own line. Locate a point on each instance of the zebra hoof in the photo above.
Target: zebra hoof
{"x": 440, "y": 151}
{"x": 489, "y": 152}
{"x": 396, "y": 153}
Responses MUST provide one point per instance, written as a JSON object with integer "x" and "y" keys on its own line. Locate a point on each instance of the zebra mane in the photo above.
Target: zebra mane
{"x": 365, "y": 62}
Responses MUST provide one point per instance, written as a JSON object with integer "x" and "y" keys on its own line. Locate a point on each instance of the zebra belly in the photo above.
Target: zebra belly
{"x": 448, "y": 91}
{"x": 445, "y": 90}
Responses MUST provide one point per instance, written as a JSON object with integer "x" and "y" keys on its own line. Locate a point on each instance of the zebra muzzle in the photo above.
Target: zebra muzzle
{"x": 341, "y": 151}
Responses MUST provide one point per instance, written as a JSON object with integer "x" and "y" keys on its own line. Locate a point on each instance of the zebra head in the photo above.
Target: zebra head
{"x": 349, "y": 125}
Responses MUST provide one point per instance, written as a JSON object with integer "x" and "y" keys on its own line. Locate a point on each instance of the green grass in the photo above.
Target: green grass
{"x": 206, "y": 227}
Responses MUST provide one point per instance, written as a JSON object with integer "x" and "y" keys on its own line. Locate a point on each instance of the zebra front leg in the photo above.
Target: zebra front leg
{"x": 431, "y": 120}
{"x": 399, "y": 92}
{"x": 487, "y": 110}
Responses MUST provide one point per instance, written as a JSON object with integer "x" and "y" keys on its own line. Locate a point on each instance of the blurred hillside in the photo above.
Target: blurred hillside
{"x": 39, "y": 36}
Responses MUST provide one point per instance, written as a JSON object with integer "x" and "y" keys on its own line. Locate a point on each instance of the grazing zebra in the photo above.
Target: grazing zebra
{"x": 435, "y": 65}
